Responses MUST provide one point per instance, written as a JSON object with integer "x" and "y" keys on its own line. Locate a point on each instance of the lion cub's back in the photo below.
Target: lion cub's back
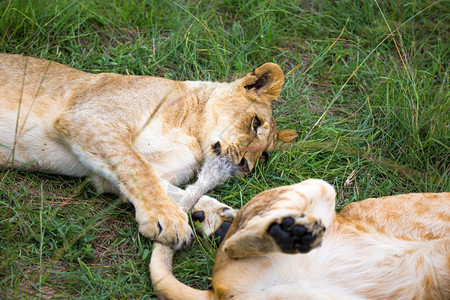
{"x": 33, "y": 92}
{"x": 38, "y": 82}
{"x": 416, "y": 216}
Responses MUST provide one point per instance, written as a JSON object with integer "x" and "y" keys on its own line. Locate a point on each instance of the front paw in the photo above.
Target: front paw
{"x": 171, "y": 229}
{"x": 214, "y": 217}
{"x": 297, "y": 233}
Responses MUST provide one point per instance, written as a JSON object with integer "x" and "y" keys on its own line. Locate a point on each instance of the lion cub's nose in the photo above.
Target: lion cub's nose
{"x": 216, "y": 148}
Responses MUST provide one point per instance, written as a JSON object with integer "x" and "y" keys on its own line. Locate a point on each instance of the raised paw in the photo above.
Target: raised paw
{"x": 295, "y": 234}
{"x": 214, "y": 217}
{"x": 171, "y": 229}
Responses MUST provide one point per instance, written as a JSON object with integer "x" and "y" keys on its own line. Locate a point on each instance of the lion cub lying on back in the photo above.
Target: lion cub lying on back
{"x": 137, "y": 136}
{"x": 388, "y": 248}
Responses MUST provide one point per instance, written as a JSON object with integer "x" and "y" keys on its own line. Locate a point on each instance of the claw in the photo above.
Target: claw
{"x": 159, "y": 228}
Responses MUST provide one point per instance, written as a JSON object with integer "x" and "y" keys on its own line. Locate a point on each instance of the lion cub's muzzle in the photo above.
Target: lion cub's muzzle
{"x": 243, "y": 166}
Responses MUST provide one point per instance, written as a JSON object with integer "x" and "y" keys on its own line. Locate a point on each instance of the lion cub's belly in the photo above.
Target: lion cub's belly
{"x": 174, "y": 155}
{"x": 344, "y": 267}
{"x": 30, "y": 147}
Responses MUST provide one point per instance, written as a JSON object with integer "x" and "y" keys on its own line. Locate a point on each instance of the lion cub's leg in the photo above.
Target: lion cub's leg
{"x": 106, "y": 149}
{"x": 104, "y": 186}
{"x": 288, "y": 219}
{"x": 212, "y": 214}
{"x": 215, "y": 217}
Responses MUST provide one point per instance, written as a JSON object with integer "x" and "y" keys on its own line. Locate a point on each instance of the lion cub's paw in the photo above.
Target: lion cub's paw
{"x": 214, "y": 217}
{"x": 171, "y": 229}
{"x": 297, "y": 233}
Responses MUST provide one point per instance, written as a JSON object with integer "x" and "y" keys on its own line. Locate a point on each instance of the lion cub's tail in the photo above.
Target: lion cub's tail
{"x": 165, "y": 282}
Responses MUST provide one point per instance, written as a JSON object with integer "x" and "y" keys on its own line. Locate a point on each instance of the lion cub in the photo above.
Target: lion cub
{"x": 137, "y": 136}
{"x": 288, "y": 243}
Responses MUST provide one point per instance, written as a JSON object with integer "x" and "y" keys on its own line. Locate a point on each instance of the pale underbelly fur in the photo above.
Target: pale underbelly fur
{"x": 342, "y": 268}
{"x": 34, "y": 148}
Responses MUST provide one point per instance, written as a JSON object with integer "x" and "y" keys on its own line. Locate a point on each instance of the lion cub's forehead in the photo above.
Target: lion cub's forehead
{"x": 235, "y": 93}
{"x": 233, "y": 103}
{"x": 241, "y": 108}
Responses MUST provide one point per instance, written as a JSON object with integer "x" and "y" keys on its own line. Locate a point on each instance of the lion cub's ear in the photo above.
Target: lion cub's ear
{"x": 266, "y": 81}
{"x": 287, "y": 136}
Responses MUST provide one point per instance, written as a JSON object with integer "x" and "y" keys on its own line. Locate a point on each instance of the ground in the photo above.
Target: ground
{"x": 371, "y": 110}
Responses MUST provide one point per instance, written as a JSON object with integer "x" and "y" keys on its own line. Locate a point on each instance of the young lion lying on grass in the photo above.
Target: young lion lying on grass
{"x": 137, "y": 136}
{"x": 288, "y": 243}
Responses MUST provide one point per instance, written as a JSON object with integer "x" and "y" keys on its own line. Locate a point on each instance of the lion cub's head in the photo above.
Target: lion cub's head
{"x": 240, "y": 124}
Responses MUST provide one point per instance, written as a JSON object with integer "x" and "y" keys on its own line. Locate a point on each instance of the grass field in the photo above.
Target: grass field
{"x": 366, "y": 88}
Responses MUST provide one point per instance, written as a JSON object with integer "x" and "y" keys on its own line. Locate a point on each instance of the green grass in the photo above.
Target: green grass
{"x": 371, "y": 110}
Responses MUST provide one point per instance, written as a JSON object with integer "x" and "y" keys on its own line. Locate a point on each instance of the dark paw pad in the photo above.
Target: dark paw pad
{"x": 293, "y": 238}
{"x": 220, "y": 233}
{"x": 198, "y": 216}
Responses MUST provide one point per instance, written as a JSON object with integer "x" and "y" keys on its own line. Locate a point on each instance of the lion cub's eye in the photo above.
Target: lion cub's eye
{"x": 256, "y": 123}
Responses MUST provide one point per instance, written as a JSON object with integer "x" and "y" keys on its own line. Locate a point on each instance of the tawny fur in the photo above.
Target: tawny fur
{"x": 137, "y": 136}
{"x": 395, "y": 247}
